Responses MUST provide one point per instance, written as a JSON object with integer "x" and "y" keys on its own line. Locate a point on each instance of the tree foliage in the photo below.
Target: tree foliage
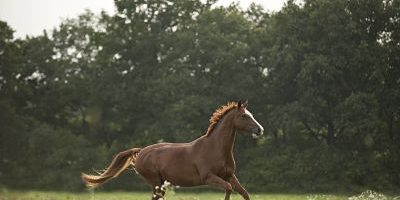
{"x": 322, "y": 76}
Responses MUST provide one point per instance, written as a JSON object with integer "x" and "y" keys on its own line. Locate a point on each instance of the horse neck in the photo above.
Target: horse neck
{"x": 223, "y": 136}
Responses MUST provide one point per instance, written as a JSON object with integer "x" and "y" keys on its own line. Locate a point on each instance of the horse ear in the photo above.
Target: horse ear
{"x": 239, "y": 104}
{"x": 245, "y": 103}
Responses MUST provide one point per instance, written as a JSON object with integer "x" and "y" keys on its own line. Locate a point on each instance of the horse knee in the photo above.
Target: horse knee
{"x": 228, "y": 187}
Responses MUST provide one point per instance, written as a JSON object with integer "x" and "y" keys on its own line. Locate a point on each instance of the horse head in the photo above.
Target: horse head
{"x": 244, "y": 120}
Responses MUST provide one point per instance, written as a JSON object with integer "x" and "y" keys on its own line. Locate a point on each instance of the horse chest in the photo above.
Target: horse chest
{"x": 225, "y": 169}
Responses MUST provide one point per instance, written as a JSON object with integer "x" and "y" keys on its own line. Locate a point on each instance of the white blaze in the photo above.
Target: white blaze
{"x": 247, "y": 112}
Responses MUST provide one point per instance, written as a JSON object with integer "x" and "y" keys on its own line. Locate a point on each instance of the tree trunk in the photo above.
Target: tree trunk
{"x": 331, "y": 134}
{"x": 390, "y": 126}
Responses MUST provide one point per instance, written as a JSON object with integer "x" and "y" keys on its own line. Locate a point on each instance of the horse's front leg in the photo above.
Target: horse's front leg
{"x": 239, "y": 188}
{"x": 216, "y": 181}
{"x": 227, "y": 194}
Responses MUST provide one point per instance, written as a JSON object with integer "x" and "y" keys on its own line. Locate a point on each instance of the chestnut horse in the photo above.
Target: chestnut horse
{"x": 208, "y": 160}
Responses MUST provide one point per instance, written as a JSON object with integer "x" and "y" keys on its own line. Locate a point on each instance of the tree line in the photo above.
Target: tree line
{"x": 321, "y": 76}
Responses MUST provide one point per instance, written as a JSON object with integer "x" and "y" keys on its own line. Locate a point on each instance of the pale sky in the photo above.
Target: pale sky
{"x": 30, "y": 17}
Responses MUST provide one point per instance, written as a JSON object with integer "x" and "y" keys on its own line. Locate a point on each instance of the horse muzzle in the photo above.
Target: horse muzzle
{"x": 258, "y": 131}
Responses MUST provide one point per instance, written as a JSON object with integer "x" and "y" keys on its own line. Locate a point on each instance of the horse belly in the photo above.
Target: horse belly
{"x": 184, "y": 176}
{"x": 179, "y": 169}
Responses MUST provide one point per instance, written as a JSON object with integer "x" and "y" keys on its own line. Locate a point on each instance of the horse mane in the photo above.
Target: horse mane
{"x": 218, "y": 114}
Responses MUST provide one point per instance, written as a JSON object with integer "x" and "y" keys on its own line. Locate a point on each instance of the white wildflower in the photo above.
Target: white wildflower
{"x": 369, "y": 195}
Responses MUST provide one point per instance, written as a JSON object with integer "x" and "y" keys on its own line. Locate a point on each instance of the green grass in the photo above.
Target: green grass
{"x": 39, "y": 195}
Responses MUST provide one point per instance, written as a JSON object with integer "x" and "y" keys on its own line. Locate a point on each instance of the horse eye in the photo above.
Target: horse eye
{"x": 244, "y": 115}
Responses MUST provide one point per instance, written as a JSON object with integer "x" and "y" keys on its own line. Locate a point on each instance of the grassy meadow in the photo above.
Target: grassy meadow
{"x": 172, "y": 195}
{"x": 39, "y": 195}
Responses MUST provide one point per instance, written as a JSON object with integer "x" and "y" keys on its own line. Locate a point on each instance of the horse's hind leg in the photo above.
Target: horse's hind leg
{"x": 156, "y": 183}
{"x": 158, "y": 193}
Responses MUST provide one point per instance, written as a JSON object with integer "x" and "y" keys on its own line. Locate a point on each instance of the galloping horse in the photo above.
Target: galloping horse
{"x": 208, "y": 160}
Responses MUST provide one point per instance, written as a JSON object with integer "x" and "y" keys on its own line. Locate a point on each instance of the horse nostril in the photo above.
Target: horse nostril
{"x": 259, "y": 129}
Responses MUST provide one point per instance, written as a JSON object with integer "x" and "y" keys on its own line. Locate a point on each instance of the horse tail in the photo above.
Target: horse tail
{"x": 120, "y": 162}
